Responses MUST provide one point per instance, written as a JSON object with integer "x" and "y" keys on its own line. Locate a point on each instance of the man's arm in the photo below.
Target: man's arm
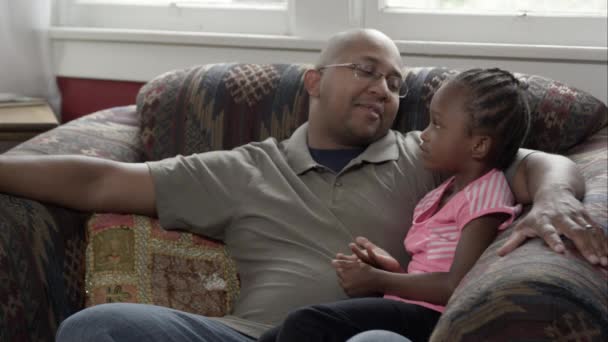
{"x": 82, "y": 183}
{"x": 554, "y": 186}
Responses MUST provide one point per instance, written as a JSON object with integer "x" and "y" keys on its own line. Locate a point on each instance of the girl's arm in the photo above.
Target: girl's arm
{"x": 437, "y": 287}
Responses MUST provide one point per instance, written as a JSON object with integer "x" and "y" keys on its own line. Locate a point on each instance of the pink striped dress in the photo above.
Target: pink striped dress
{"x": 432, "y": 239}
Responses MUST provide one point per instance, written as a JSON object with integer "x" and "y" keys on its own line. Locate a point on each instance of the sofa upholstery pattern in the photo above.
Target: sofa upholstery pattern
{"x": 532, "y": 294}
{"x": 42, "y": 246}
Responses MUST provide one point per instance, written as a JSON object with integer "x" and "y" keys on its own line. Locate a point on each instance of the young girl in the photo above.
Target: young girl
{"x": 478, "y": 120}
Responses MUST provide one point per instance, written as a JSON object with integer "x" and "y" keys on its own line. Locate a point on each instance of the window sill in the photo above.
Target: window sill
{"x": 265, "y": 42}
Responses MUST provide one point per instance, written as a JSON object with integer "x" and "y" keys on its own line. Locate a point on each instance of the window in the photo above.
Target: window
{"x": 579, "y": 23}
{"x": 538, "y": 22}
{"x": 222, "y": 16}
{"x": 546, "y": 7}
{"x": 561, "y": 39}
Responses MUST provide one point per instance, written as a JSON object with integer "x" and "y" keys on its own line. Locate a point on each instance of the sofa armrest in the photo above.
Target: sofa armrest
{"x": 41, "y": 268}
{"x": 110, "y": 134}
{"x": 534, "y": 293}
{"x": 42, "y": 247}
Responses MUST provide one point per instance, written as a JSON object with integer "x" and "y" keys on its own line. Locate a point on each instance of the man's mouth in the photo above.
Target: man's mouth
{"x": 375, "y": 108}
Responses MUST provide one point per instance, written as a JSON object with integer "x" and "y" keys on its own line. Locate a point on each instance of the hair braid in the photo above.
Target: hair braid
{"x": 498, "y": 107}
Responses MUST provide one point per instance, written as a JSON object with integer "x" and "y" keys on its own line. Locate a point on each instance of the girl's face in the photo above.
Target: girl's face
{"x": 446, "y": 144}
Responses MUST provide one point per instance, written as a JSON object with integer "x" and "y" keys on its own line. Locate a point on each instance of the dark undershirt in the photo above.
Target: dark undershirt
{"x": 335, "y": 160}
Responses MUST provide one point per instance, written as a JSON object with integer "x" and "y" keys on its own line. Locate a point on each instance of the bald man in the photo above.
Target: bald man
{"x": 284, "y": 209}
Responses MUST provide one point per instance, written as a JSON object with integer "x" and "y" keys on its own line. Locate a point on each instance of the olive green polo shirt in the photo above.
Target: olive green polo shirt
{"x": 283, "y": 217}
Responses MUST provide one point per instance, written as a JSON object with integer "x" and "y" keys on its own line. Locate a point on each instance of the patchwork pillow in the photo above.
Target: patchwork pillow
{"x": 133, "y": 259}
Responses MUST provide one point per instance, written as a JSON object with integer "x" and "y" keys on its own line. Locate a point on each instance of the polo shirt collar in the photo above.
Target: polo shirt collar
{"x": 382, "y": 150}
{"x": 299, "y": 158}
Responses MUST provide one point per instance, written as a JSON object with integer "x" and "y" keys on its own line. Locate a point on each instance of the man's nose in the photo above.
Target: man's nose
{"x": 380, "y": 86}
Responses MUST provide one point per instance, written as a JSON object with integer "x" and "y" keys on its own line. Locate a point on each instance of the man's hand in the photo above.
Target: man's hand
{"x": 558, "y": 212}
{"x": 356, "y": 277}
{"x": 373, "y": 255}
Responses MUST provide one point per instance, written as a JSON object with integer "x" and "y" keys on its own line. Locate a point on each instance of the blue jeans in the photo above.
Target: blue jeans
{"x": 140, "y": 322}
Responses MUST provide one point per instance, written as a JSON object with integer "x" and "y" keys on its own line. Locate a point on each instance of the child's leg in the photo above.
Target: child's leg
{"x": 341, "y": 320}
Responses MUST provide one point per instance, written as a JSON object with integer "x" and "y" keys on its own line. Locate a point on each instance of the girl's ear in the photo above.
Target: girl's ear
{"x": 312, "y": 82}
{"x": 482, "y": 144}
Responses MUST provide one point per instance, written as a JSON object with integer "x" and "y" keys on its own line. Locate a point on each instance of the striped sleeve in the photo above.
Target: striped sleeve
{"x": 488, "y": 195}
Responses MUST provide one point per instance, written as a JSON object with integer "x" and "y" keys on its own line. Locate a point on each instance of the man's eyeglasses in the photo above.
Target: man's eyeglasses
{"x": 364, "y": 72}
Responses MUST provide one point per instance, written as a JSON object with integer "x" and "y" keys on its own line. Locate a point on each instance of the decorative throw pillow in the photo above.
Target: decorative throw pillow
{"x": 132, "y": 259}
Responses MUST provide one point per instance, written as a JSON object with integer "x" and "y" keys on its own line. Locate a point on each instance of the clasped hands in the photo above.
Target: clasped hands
{"x": 358, "y": 273}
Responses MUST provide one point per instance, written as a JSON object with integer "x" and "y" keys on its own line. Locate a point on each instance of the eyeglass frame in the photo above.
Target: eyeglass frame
{"x": 374, "y": 75}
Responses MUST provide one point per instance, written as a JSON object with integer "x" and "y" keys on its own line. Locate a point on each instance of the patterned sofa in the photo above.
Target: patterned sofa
{"x": 534, "y": 294}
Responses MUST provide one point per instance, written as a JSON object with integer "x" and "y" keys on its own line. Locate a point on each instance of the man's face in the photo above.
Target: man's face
{"x": 356, "y": 110}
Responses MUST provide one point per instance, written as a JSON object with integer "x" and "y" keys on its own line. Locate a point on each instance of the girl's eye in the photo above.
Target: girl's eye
{"x": 435, "y": 124}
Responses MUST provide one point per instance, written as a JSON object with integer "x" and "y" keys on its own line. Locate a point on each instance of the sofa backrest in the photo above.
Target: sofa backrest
{"x": 221, "y": 106}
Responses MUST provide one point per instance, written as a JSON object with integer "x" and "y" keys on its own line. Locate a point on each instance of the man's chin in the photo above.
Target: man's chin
{"x": 367, "y": 139}
{"x": 364, "y": 135}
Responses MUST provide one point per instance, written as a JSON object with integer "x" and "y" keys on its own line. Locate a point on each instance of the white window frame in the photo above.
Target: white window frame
{"x": 174, "y": 16}
{"x": 318, "y": 19}
{"x": 516, "y": 28}
{"x": 100, "y": 52}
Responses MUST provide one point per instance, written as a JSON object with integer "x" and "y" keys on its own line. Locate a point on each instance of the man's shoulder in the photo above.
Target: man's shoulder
{"x": 407, "y": 142}
{"x": 406, "y": 135}
{"x": 269, "y": 147}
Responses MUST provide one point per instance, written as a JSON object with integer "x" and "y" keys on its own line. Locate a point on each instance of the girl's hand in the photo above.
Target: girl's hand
{"x": 375, "y": 256}
{"x": 356, "y": 278}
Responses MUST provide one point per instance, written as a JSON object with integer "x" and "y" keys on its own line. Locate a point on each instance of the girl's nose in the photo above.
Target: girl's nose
{"x": 424, "y": 135}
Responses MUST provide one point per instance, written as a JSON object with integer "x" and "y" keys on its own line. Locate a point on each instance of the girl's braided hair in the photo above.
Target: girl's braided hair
{"x": 498, "y": 107}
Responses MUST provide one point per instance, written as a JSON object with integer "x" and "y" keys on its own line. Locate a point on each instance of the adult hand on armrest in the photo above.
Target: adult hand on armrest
{"x": 81, "y": 183}
{"x": 553, "y": 185}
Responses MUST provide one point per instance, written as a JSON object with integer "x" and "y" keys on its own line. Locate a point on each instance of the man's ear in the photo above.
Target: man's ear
{"x": 482, "y": 144}
{"x": 312, "y": 82}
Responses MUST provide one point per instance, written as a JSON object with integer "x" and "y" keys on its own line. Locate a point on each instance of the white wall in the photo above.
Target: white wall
{"x": 142, "y": 55}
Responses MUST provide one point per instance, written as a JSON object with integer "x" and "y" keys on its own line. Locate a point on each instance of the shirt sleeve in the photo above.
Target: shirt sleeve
{"x": 199, "y": 193}
{"x": 521, "y": 155}
{"x": 490, "y": 195}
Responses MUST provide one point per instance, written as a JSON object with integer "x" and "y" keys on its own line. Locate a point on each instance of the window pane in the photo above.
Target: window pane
{"x": 587, "y": 7}
{"x": 201, "y": 2}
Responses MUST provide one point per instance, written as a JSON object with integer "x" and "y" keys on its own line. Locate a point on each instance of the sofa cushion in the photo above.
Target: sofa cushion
{"x": 222, "y": 106}
{"x": 132, "y": 259}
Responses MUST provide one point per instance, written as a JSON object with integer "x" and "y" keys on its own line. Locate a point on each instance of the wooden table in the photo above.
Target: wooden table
{"x": 18, "y": 124}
